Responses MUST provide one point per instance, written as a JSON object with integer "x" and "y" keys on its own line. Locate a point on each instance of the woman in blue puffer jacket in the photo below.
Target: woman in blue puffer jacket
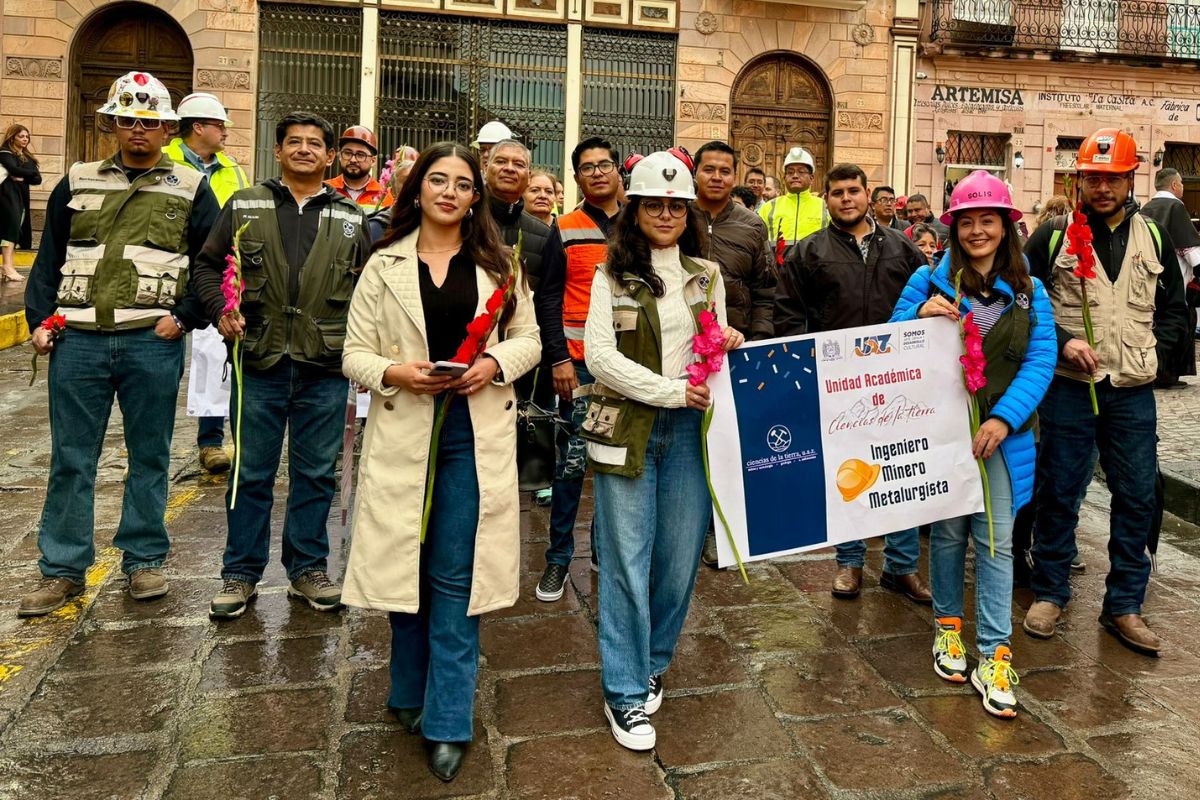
{"x": 1013, "y": 313}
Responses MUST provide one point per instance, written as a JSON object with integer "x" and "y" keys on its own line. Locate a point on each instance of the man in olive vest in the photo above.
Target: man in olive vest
{"x": 301, "y": 249}
{"x": 1137, "y": 314}
{"x": 114, "y": 261}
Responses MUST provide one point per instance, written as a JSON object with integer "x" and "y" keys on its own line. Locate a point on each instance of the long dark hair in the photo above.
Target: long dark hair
{"x": 629, "y": 251}
{"x": 481, "y": 237}
{"x": 15, "y": 130}
{"x": 1009, "y": 264}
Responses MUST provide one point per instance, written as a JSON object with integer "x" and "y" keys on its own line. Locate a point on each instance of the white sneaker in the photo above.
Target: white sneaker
{"x": 631, "y": 728}
{"x": 949, "y": 655}
{"x": 994, "y": 678}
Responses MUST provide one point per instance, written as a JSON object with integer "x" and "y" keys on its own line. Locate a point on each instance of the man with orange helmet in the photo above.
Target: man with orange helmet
{"x": 357, "y": 152}
{"x": 1137, "y": 312}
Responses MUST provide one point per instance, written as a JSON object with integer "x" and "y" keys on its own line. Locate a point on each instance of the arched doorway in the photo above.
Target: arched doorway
{"x": 117, "y": 39}
{"x": 780, "y": 100}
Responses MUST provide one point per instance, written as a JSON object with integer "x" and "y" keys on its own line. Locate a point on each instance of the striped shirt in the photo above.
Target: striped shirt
{"x": 986, "y": 311}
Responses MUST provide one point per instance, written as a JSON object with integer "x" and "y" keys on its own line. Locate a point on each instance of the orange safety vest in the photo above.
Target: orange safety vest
{"x": 373, "y": 198}
{"x": 585, "y": 247}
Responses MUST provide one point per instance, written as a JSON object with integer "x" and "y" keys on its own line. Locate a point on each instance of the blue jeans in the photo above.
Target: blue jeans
{"x": 87, "y": 370}
{"x": 569, "y": 471}
{"x": 310, "y": 406}
{"x": 210, "y": 432}
{"x": 901, "y": 552}
{"x": 435, "y": 652}
{"x": 993, "y": 576}
{"x": 649, "y": 533}
{"x": 1126, "y": 434}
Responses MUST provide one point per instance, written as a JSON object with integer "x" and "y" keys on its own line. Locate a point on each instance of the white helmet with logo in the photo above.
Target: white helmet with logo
{"x": 141, "y": 95}
{"x": 798, "y": 155}
{"x": 202, "y": 105}
{"x": 493, "y": 132}
{"x": 661, "y": 175}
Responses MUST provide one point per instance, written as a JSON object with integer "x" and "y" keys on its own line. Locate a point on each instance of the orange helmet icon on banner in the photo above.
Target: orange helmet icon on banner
{"x": 854, "y": 477}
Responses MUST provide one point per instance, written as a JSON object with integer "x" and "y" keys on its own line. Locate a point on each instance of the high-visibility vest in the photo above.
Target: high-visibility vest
{"x": 374, "y": 196}
{"x": 226, "y": 180}
{"x": 586, "y": 247}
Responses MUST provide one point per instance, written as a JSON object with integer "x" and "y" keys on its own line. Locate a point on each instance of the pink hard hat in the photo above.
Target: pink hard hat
{"x": 980, "y": 189}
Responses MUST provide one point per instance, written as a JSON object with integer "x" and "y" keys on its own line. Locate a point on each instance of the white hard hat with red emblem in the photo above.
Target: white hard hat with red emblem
{"x": 661, "y": 175}
{"x": 139, "y": 95}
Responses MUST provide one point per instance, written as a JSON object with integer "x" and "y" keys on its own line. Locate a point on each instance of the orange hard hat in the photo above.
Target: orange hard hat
{"x": 1108, "y": 150}
{"x": 359, "y": 133}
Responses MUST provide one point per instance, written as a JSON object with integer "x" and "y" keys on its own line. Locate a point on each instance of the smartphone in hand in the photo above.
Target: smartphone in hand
{"x": 451, "y": 369}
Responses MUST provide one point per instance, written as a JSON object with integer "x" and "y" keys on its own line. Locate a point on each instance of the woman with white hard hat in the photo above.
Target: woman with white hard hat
{"x": 643, "y": 432}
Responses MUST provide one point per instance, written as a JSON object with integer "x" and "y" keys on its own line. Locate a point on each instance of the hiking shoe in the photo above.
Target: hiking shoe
{"x": 709, "y": 556}
{"x": 50, "y": 594}
{"x": 631, "y": 728}
{"x": 215, "y": 460}
{"x": 146, "y": 584}
{"x": 231, "y": 601}
{"x": 994, "y": 678}
{"x": 542, "y": 497}
{"x": 1077, "y": 564}
{"x": 949, "y": 655}
{"x": 316, "y": 588}
{"x": 654, "y": 696}
{"x": 1041, "y": 619}
{"x": 550, "y": 587}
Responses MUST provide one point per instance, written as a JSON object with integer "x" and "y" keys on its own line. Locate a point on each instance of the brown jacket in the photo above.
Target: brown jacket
{"x": 738, "y": 242}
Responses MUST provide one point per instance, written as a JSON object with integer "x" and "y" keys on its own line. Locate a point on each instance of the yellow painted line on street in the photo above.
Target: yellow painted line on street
{"x": 13, "y": 330}
{"x": 178, "y": 502}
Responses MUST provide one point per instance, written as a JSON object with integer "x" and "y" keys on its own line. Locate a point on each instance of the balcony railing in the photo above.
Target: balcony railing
{"x": 1142, "y": 28}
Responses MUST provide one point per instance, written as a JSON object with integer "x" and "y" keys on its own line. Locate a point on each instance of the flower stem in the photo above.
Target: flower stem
{"x": 704, "y": 426}
{"x": 987, "y": 506}
{"x": 431, "y": 469}
{"x": 1091, "y": 340}
{"x": 237, "y": 427}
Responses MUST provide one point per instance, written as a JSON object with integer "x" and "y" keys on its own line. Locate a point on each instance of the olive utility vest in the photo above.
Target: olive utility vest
{"x": 126, "y": 264}
{"x": 313, "y": 329}
{"x": 617, "y": 428}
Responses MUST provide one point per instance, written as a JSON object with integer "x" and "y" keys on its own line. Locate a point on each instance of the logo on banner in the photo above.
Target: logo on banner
{"x": 873, "y": 345}
{"x": 831, "y": 350}
{"x": 779, "y": 438}
{"x": 854, "y": 477}
{"x": 913, "y": 340}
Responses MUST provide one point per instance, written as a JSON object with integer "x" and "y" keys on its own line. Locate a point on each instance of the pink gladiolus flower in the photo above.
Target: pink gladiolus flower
{"x": 697, "y": 373}
{"x": 385, "y": 175}
{"x": 972, "y": 360}
{"x": 232, "y": 285}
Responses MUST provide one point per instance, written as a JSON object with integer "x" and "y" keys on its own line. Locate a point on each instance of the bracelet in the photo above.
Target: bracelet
{"x": 178, "y": 324}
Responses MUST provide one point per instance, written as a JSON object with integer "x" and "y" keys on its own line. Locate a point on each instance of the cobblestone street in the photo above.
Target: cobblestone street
{"x": 778, "y": 691}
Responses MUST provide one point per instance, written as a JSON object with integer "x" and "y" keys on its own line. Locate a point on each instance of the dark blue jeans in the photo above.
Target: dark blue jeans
{"x": 435, "y": 652}
{"x": 210, "y": 432}
{"x": 87, "y": 370}
{"x": 1126, "y": 434}
{"x": 310, "y": 407}
{"x": 569, "y": 471}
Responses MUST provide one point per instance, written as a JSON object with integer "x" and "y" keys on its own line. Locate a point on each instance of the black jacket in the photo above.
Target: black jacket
{"x": 515, "y": 222}
{"x": 14, "y": 198}
{"x": 825, "y": 285}
{"x": 737, "y": 240}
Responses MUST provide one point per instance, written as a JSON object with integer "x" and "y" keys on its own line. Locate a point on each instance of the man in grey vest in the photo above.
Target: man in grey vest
{"x": 301, "y": 251}
{"x": 114, "y": 261}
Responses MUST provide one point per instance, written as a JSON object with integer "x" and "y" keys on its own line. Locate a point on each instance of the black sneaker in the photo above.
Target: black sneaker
{"x": 550, "y": 587}
{"x": 595, "y": 563}
{"x": 631, "y": 728}
{"x": 655, "y": 695}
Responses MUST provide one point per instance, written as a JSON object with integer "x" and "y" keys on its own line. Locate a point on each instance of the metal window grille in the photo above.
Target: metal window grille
{"x": 442, "y": 77}
{"x": 309, "y": 59}
{"x": 1183, "y": 157}
{"x": 982, "y": 149}
{"x": 629, "y": 88}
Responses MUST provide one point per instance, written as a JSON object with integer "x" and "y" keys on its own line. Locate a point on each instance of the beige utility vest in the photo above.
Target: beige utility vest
{"x": 126, "y": 264}
{"x": 1122, "y": 312}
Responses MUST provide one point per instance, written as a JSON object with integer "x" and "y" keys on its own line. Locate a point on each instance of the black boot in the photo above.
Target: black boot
{"x": 446, "y": 758}
{"x": 410, "y": 718}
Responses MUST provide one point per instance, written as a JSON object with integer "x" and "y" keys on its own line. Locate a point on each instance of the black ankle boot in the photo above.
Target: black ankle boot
{"x": 446, "y": 758}
{"x": 410, "y": 718}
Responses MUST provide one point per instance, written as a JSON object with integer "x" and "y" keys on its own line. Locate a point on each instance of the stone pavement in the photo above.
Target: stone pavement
{"x": 1179, "y": 446}
{"x": 778, "y": 691}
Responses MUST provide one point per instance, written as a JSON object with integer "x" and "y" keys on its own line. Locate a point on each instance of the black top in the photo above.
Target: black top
{"x": 450, "y": 307}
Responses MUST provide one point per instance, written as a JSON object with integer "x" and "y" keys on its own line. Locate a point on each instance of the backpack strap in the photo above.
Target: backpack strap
{"x": 1156, "y": 233}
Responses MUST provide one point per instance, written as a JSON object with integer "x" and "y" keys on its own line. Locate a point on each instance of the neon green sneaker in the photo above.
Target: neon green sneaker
{"x": 994, "y": 678}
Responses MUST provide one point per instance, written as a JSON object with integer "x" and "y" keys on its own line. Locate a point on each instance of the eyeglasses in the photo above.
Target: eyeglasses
{"x": 439, "y": 183}
{"x": 602, "y": 168}
{"x": 887, "y": 201}
{"x": 676, "y": 208}
{"x": 218, "y": 125}
{"x": 128, "y": 123}
{"x": 1095, "y": 181}
{"x": 356, "y": 155}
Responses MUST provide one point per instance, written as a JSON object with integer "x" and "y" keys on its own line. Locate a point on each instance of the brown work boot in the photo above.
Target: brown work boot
{"x": 1041, "y": 618}
{"x": 50, "y": 594}
{"x": 911, "y": 586}
{"x": 847, "y": 583}
{"x": 147, "y": 583}
{"x": 215, "y": 460}
{"x": 1131, "y": 631}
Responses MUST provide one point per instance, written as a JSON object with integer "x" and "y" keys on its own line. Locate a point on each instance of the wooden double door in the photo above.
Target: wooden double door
{"x": 780, "y": 101}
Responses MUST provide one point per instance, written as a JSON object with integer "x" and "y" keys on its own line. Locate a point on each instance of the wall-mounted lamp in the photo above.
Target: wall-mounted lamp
{"x": 1018, "y": 159}
{"x": 940, "y": 152}
{"x": 1159, "y": 154}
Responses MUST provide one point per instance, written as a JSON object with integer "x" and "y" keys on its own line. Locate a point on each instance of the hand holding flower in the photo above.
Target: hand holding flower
{"x": 733, "y": 339}
{"x": 1081, "y": 354}
{"x": 232, "y": 326}
{"x": 698, "y": 396}
{"x": 43, "y": 341}
{"x": 989, "y": 436}
{"x": 938, "y": 306}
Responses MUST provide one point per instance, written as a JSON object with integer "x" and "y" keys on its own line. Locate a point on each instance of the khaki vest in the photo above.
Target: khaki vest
{"x": 1122, "y": 312}
{"x": 126, "y": 264}
{"x": 311, "y": 330}
{"x": 617, "y": 428}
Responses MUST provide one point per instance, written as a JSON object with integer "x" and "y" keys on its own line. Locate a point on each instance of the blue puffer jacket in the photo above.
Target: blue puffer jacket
{"x": 1020, "y": 400}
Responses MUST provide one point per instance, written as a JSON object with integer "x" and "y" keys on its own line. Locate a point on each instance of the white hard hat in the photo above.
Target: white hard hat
{"x": 202, "y": 105}
{"x": 138, "y": 94}
{"x": 493, "y": 132}
{"x": 661, "y": 175}
{"x": 798, "y": 155}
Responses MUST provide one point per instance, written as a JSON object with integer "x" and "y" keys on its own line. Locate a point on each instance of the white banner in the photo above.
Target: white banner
{"x": 839, "y": 436}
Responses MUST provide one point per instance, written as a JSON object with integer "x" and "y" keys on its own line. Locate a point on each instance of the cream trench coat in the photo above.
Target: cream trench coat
{"x": 387, "y": 326}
